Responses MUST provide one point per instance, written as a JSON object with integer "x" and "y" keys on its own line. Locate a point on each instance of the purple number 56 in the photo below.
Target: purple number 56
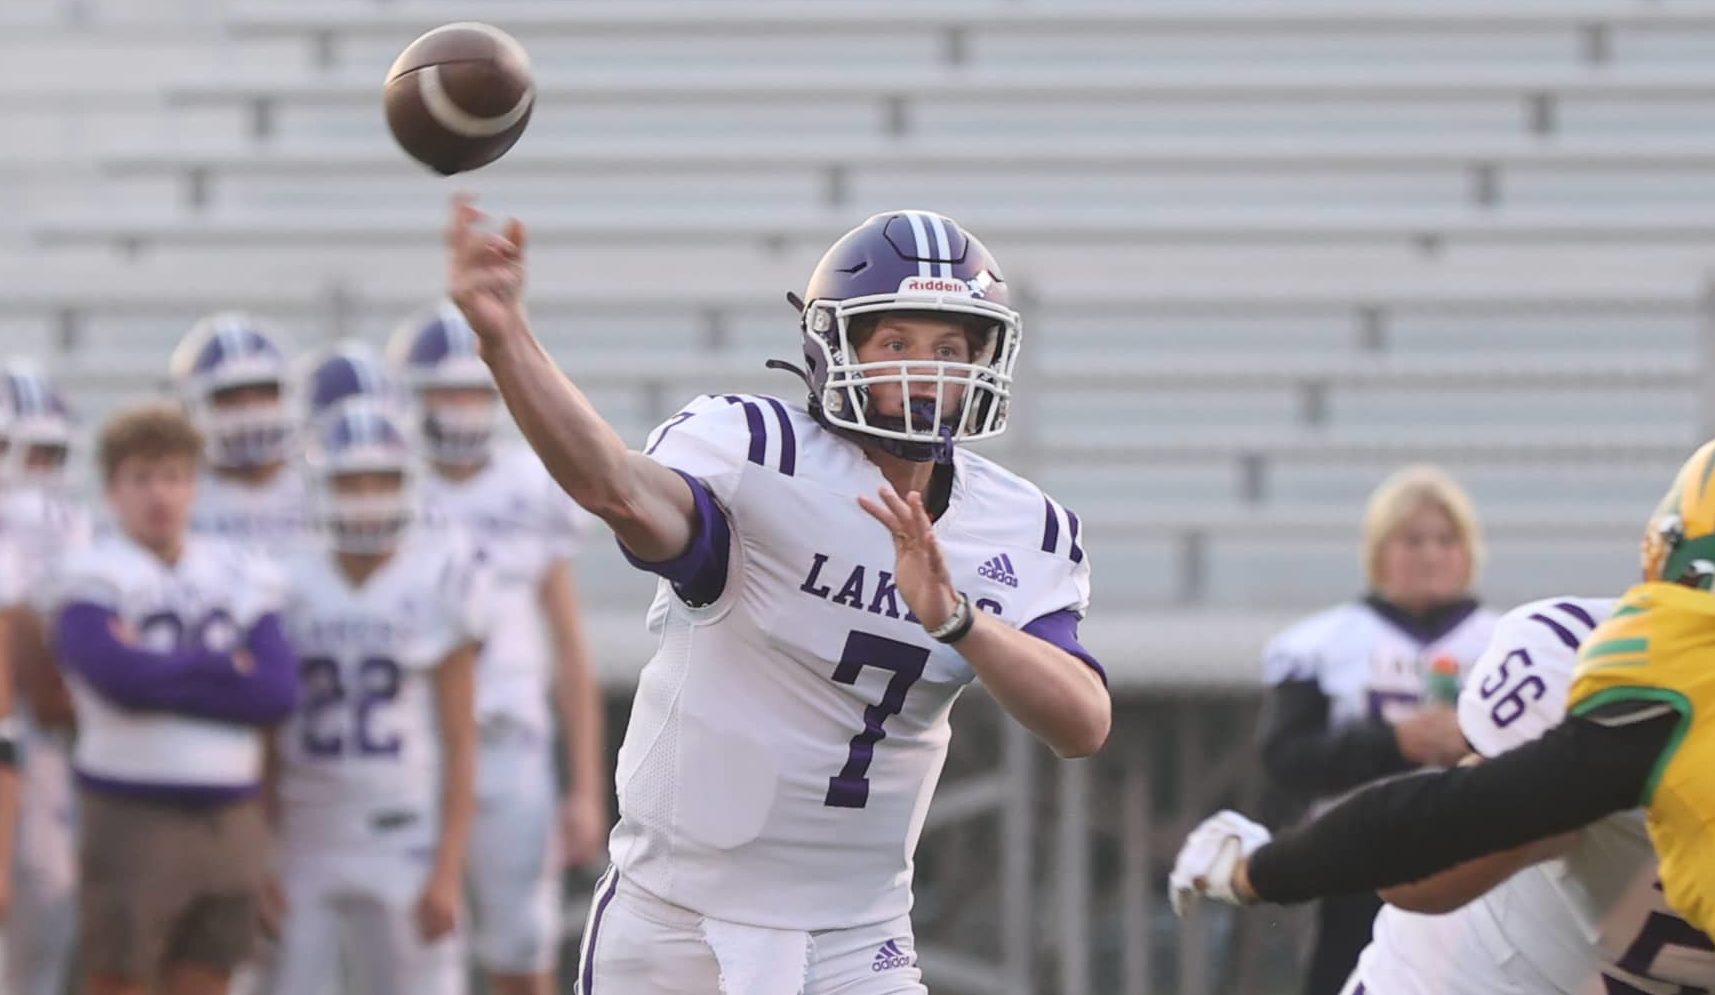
{"x": 850, "y": 787}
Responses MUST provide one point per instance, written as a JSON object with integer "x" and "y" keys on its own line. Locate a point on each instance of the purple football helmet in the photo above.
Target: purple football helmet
{"x": 361, "y": 436}
{"x": 435, "y": 349}
{"x": 909, "y": 261}
{"x": 348, "y": 373}
{"x": 225, "y": 352}
{"x": 36, "y": 428}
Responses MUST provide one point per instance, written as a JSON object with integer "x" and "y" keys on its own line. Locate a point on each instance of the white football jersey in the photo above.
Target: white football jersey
{"x": 44, "y": 527}
{"x": 11, "y": 573}
{"x": 523, "y": 523}
{"x": 209, "y": 598}
{"x": 1590, "y": 923}
{"x": 272, "y": 517}
{"x": 785, "y": 740}
{"x": 362, "y": 753}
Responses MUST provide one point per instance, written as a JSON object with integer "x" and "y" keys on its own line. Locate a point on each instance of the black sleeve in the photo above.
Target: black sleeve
{"x": 1305, "y": 758}
{"x": 1411, "y": 827}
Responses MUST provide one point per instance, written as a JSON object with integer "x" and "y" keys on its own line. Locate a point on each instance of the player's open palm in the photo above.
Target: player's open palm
{"x": 921, "y": 572}
{"x": 485, "y": 271}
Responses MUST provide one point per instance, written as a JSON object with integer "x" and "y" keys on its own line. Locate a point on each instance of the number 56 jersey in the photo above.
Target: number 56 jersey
{"x": 787, "y": 735}
{"x": 361, "y": 757}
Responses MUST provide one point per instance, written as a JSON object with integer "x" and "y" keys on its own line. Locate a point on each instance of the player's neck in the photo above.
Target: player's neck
{"x": 167, "y": 551}
{"x": 251, "y": 476}
{"x": 905, "y": 476}
{"x": 458, "y": 473}
{"x": 359, "y": 567}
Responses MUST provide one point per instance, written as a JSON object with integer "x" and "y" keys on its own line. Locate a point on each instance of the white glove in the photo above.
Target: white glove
{"x": 1206, "y": 862}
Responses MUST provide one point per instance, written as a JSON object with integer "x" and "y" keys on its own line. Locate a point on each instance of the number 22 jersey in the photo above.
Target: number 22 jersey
{"x": 786, "y": 737}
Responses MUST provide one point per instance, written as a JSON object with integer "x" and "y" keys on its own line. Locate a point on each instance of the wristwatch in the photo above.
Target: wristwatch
{"x": 958, "y": 624}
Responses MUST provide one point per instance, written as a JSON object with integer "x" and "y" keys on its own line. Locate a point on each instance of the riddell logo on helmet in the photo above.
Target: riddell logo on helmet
{"x": 934, "y": 285}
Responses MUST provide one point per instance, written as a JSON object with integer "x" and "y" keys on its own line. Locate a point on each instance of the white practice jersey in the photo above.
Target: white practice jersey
{"x": 523, "y": 524}
{"x": 273, "y": 517}
{"x": 1368, "y": 666}
{"x": 43, "y": 527}
{"x": 11, "y": 573}
{"x": 208, "y": 599}
{"x": 786, "y": 739}
{"x": 362, "y": 753}
{"x": 1593, "y": 922}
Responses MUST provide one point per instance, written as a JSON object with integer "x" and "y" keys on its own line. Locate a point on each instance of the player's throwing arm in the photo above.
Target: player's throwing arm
{"x": 647, "y": 505}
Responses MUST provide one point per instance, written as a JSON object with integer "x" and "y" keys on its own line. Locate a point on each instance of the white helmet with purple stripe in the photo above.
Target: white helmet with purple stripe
{"x": 232, "y": 372}
{"x": 348, "y": 373}
{"x": 36, "y": 429}
{"x": 434, "y": 353}
{"x": 362, "y": 465}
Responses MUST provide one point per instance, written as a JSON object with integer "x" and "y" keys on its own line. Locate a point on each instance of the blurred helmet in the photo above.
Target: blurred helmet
{"x": 36, "y": 430}
{"x": 349, "y": 372}
{"x": 435, "y": 350}
{"x": 909, "y": 261}
{"x": 361, "y": 438}
{"x": 1679, "y": 542}
{"x": 220, "y": 355}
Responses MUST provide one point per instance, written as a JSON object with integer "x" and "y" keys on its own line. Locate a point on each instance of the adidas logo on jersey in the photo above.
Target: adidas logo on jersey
{"x": 890, "y": 957}
{"x": 999, "y": 569}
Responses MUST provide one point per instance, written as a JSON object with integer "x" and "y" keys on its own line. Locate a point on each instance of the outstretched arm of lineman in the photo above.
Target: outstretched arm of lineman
{"x": 1409, "y": 828}
{"x": 649, "y": 507}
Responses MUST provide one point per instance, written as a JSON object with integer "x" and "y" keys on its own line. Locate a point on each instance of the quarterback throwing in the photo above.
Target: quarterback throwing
{"x": 833, "y": 572}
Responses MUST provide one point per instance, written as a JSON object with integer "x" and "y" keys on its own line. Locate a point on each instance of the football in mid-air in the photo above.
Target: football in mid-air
{"x": 459, "y": 96}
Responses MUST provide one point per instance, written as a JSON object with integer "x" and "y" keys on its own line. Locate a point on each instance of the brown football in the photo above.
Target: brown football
{"x": 458, "y": 97}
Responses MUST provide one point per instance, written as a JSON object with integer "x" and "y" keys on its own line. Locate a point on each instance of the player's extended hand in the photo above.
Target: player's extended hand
{"x": 438, "y": 908}
{"x": 1210, "y": 856}
{"x": 583, "y": 828}
{"x": 921, "y": 572}
{"x": 485, "y": 271}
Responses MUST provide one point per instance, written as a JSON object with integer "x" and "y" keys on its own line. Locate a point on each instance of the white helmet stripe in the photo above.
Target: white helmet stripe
{"x": 943, "y": 251}
{"x": 922, "y": 243}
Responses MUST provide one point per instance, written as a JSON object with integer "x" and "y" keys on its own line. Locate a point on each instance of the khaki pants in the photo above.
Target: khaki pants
{"x": 166, "y": 884}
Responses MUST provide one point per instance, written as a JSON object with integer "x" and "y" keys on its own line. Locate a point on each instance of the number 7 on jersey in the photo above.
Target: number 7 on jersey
{"x": 850, "y": 788}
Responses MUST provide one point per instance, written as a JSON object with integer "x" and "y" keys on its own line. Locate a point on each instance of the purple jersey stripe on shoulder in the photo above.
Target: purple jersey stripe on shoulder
{"x": 788, "y": 438}
{"x": 758, "y": 431}
{"x": 1565, "y": 635}
{"x": 1051, "y": 530}
{"x": 1077, "y": 550}
{"x": 1577, "y": 612}
{"x": 587, "y": 975}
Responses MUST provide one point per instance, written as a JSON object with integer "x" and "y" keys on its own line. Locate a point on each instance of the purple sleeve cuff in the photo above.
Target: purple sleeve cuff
{"x": 1061, "y": 629}
{"x": 698, "y": 575}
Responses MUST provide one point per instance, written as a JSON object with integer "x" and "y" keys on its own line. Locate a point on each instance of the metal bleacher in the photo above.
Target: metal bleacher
{"x": 1267, "y": 253}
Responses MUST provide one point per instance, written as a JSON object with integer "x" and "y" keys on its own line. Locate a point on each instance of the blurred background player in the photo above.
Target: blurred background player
{"x": 233, "y": 374}
{"x": 11, "y": 741}
{"x": 788, "y": 734}
{"x": 177, "y": 661}
{"x": 347, "y": 373}
{"x": 45, "y": 523}
{"x": 1349, "y": 697}
{"x": 526, "y": 528}
{"x": 375, "y": 783}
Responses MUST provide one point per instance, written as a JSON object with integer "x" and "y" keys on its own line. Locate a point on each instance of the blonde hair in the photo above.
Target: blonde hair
{"x": 1400, "y": 496}
{"x": 153, "y": 430}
